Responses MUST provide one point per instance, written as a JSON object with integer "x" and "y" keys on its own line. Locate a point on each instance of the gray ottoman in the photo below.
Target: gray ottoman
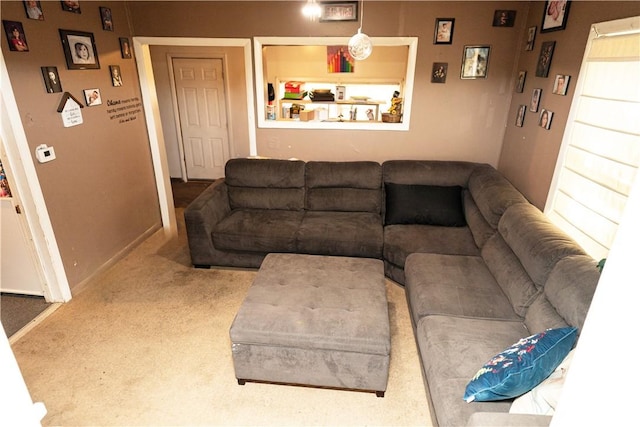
{"x": 315, "y": 320}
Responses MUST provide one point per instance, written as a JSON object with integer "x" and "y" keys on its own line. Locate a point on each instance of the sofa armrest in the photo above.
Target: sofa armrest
{"x": 504, "y": 419}
{"x": 209, "y": 208}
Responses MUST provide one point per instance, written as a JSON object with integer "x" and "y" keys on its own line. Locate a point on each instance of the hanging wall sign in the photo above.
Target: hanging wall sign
{"x": 70, "y": 109}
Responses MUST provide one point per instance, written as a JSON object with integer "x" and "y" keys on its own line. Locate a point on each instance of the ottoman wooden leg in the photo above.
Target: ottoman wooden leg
{"x": 379, "y": 393}
{"x": 243, "y": 382}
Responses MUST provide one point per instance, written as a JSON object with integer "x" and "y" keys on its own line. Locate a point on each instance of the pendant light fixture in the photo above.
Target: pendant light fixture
{"x": 311, "y": 10}
{"x": 360, "y": 45}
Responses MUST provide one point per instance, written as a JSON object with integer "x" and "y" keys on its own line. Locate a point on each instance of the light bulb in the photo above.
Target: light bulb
{"x": 311, "y": 10}
{"x": 360, "y": 46}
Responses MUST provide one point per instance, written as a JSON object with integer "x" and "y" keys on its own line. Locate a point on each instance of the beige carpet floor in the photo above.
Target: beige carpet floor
{"x": 147, "y": 343}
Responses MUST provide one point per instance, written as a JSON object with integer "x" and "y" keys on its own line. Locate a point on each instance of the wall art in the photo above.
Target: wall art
{"x": 475, "y": 62}
{"x": 107, "y": 19}
{"x": 444, "y": 31}
{"x": 51, "y": 79}
{"x": 522, "y": 75}
{"x": 555, "y": 15}
{"x": 504, "y": 18}
{"x": 71, "y": 6}
{"x": 561, "y": 84}
{"x": 544, "y": 60}
{"x": 520, "y": 115}
{"x": 535, "y": 100}
{"x": 545, "y": 119}
{"x": 116, "y": 75}
{"x": 33, "y": 10}
{"x": 338, "y": 11}
{"x": 125, "y": 48}
{"x": 531, "y": 38}
{"x": 92, "y": 97}
{"x": 79, "y": 50}
{"x": 15, "y": 36}
{"x": 439, "y": 72}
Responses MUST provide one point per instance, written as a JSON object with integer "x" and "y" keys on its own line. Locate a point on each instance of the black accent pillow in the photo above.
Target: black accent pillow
{"x": 424, "y": 204}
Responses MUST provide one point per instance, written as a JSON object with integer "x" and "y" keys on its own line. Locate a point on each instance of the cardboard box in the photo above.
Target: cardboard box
{"x": 307, "y": 115}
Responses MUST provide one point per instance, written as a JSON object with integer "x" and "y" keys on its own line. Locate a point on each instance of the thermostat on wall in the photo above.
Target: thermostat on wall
{"x": 45, "y": 154}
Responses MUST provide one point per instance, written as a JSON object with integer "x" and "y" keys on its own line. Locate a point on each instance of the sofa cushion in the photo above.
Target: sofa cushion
{"x": 427, "y": 172}
{"x": 451, "y": 350}
{"x": 344, "y": 186}
{"x": 480, "y": 228}
{"x": 257, "y": 230}
{"x": 424, "y": 204}
{"x": 519, "y": 368}
{"x": 357, "y": 234}
{"x": 453, "y": 285}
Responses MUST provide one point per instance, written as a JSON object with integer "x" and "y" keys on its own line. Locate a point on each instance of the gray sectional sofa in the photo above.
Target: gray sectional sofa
{"x": 482, "y": 268}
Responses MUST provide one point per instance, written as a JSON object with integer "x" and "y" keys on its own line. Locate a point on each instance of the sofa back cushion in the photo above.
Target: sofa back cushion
{"x": 265, "y": 184}
{"x": 344, "y": 186}
{"x": 567, "y": 295}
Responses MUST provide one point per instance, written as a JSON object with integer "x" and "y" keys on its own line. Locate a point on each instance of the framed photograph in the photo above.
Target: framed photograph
{"x": 522, "y": 75}
{"x": 33, "y": 9}
{"x": 444, "y": 31}
{"x": 79, "y": 50}
{"x": 125, "y": 48}
{"x": 439, "y": 72}
{"x": 341, "y": 93}
{"x": 520, "y": 115}
{"x": 504, "y": 18}
{"x": 475, "y": 62}
{"x": 15, "y": 36}
{"x": 531, "y": 38}
{"x": 51, "y": 79}
{"x": 535, "y": 100}
{"x": 331, "y": 11}
{"x": 116, "y": 75}
{"x": 71, "y": 6}
{"x": 92, "y": 97}
{"x": 555, "y": 15}
{"x": 107, "y": 20}
{"x": 544, "y": 60}
{"x": 560, "y": 84}
{"x": 545, "y": 119}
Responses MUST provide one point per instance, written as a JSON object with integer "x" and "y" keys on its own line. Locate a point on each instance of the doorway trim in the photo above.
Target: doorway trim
{"x": 152, "y": 112}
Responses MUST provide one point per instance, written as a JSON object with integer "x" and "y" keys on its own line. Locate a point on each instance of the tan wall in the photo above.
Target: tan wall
{"x": 233, "y": 58}
{"x": 529, "y": 153}
{"x": 462, "y": 119}
{"x": 100, "y": 191}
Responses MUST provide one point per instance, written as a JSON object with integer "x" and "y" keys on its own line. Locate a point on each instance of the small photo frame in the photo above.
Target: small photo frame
{"x": 332, "y": 11}
{"x": 535, "y": 100}
{"x": 504, "y": 18}
{"x": 51, "y": 79}
{"x": 560, "y": 84}
{"x": 475, "y": 62}
{"x": 522, "y": 75}
{"x": 107, "y": 18}
{"x": 116, "y": 75}
{"x": 33, "y": 10}
{"x": 520, "y": 115}
{"x": 92, "y": 97}
{"x": 444, "y": 31}
{"x": 531, "y": 38}
{"x": 15, "y": 36}
{"x": 341, "y": 93}
{"x": 545, "y": 119}
{"x": 79, "y": 50}
{"x": 439, "y": 72}
{"x": 125, "y": 48}
{"x": 71, "y": 6}
{"x": 555, "y": 15}
{"x": 544, "y": 60}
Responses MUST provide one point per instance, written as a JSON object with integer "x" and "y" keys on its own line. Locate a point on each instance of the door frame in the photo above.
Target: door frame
{"x": 176, "y": 113}
{"x": 141, "y": 47}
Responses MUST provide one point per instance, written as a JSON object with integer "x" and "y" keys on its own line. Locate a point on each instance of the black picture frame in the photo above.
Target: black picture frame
{"x": 544, "y": 59}
{"x": 15, "y": 36}
{"x": 52, "y": 83}
{"x": 107, "y": 18}
{"x": 332, "y": 11}
{"x": 531, "y": 38}
{"x": 439, "y": 72}
{"x": 116, "y": 75}
{"x": 125, "y": 48}
{"x": 555, "y": 15}
{"x": 536, "y": 95}
{"x": 33, "y": 9}
{"x": 504, "y": 18}
{"x": 77, "y": 45}
{"x": 443, "y": 32}
{"x": 71, "y": 6}
{"x": 522, "y": 76}
{"x": 475, "y": 62}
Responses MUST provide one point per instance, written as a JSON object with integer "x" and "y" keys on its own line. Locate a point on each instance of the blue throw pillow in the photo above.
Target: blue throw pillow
{"x": 522, "y": 366}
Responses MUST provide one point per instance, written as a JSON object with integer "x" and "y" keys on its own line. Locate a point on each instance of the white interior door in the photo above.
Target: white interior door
{"x": 203, "y": 117}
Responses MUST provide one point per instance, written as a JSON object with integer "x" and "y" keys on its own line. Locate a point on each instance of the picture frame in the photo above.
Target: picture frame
{"x": 79, "y": 50}
{"x": 536, "y": 94}
{"x": 51, "y": 79}
{"x": 545, "y": 119}
{"x": 331, "y": 11}
{"x": 522, "y": 110}
{"x": 125, "y": 48}
{"x": 555, "y": 15}
{"x": 107, "y": 18}
{"x": 443, "y": 33}
{"x": 116, "y": 75}
{"x": 16, "y": 37}
{"x": 560, "y": 84}
{"x": 71, "y": 6}
{"x": 522, "y": 76}
{"x": 92, "y": 97}
{"x": 531, "y": 38}
{"x": 475, "y": 62}
{"x": 544, "y": 59}
{"x": 504, "y": 18}
{"x": 33, "y": 9}
{"x": 439, "y": 72}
